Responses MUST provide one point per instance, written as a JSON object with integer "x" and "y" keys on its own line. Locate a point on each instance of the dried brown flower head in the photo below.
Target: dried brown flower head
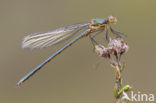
{"x": 118, "y": 45}
{"x": 102, "y": 51}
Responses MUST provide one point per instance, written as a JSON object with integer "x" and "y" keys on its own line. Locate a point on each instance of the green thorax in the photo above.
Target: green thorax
{"x": 96, "y": 22}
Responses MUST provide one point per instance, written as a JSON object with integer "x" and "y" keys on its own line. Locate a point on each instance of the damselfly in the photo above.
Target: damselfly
{"x": 53, "y": 37}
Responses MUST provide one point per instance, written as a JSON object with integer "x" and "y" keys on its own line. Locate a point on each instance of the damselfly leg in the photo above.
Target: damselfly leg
{"x": 94, "y": 42}
{"x": 116, "y": 32}
{"x": 106, "y": 35}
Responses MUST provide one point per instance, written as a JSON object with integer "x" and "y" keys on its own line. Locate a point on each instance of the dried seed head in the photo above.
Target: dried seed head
{"x": 102, "y": 51}
{"x": 118, "y": 45}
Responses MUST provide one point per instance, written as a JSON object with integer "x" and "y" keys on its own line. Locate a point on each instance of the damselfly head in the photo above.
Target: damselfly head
{"x": 112, "y": 19}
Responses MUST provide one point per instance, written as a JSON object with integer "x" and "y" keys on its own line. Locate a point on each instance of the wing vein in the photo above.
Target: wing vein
{"x": 50, "y": 38}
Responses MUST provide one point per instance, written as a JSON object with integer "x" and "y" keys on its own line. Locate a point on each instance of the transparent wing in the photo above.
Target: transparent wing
{"x": 50, "y": 38}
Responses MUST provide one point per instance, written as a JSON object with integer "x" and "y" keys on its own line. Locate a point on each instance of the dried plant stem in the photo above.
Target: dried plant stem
{"x": 116, "y": 48}
{"x": 118, "y": 83}
{"x": 118, "y": 88}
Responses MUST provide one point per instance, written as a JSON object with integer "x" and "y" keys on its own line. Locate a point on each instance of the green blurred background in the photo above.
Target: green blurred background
{"x": 74, "y": 77}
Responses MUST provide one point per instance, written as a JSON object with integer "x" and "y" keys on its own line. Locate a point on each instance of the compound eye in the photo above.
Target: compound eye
{"x": 111, "y": 20}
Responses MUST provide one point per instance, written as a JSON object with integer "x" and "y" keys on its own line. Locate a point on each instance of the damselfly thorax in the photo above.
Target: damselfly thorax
{"x": 99, "y": 24}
